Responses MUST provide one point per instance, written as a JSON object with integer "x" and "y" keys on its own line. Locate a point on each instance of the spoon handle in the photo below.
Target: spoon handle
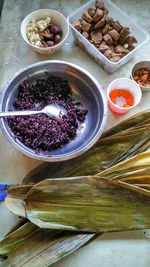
{"x": 19, "y": 113}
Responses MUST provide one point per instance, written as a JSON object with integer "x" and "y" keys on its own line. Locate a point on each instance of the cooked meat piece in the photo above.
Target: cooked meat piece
{"x": 114, "y": 34}
{"x": 110, "y": 27}
{"x": 87, "y": 17}
{"x": 112, "y": 47}
{"x": 131, "y": 47}
{"x": 105, "y": 29}
{"x": 107, "y": 38}
{"x": 123, "y": 35}
{"x": 99, "y": 4}
{"x": 84, "y": 25}
{"x": 115, "y": 57}
{"x": 98, "y": 15}
{"x": 96, "y": 37}
{"x": 131, "y": 40}
{"x": 110, "y": 21}
{"x": 117, "y": 26}
{"x": 100, "y": 23}
{"x": 108, "y": 53}
{"x": 121, "y": 50}
{"x": 105, "y": 11}
{"x": 103, "y": 48}
{"x": 77, "y": 25}
{"x": 85, "y": 34}
{"x": 92, "y": 11}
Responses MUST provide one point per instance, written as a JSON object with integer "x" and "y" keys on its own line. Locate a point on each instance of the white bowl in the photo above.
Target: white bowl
{"x": 131, "y": 86}
{"x": 139, "y": 65}
{"x": 56, "y": 18}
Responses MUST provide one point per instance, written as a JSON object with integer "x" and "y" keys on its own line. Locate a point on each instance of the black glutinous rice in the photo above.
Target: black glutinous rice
{"x": 41, "y": 132}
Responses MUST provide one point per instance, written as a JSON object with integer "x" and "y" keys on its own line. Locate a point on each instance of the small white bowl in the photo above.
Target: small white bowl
{"x": 56, "y": 18}
{"x": 137, "y": 66}
{"x": 131, "y": 86}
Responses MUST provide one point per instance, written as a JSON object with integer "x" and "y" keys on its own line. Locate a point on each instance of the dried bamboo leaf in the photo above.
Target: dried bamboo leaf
{"x": 16, "y": 238}
{"x": 86, "y": 204}
{"x": 15, "y": 199}
{"x": 107, "y": 152}
{"x": 17, "y": 225}
{"x": 139, "y": 121}
{"x": 47, "y": 247}
{"x": 142, "y": 160}
{"x": 63, "y": 245}
{"x": 129, "y": 123}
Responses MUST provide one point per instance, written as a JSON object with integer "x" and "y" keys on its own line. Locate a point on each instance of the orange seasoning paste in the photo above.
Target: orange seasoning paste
{"x": 122, "y": 98}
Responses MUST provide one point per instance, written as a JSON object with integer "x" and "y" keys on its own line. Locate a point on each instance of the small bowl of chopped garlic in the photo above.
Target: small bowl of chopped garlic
{"x": 45, "y": 30}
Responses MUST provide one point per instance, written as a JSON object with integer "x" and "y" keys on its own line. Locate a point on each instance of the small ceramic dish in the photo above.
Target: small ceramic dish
{"x": 137, "y": 66}
{"x": 126, "y": 84}
{"x": 56, "y": 18}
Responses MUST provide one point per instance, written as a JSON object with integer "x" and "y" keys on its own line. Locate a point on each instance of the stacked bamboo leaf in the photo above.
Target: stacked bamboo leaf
{"x": 128, "y": 138}
{"x": 113, "y": 197}
{"x": 117, "y": 199}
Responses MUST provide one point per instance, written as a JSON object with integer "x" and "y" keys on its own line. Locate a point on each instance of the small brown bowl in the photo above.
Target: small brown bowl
{"x": 137, "y": 66}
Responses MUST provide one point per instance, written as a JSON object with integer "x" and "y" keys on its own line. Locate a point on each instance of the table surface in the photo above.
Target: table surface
{"x": 116, "y": 249}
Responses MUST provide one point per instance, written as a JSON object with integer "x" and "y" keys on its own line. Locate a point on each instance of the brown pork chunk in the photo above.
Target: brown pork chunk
{"x": 100, "y": 23}
{"x": 114, "y": 34}
{"x": 130, "y": 40}
{"x": 98, "y": 15}
{"x": 105, "y": 29}
{"x": 117, "y": 26}
{"x": 107, "y": 38}
{"x": 96, "y": 37}
{"x": 85, "y": 34}
{"x": 103, "y": 48}
{"x": 92, "y": 11}
{"x": 110, "y": 21}
{"x": 108, "y": 53}
{"x": 123, "y": 35}
{"x": 99, "y": 4}
{"x": 84, "y": 25}
{"x": 121, "y": 50}
{"x": 77, "y": 25}
{"x": 105, "y": 11}
{"x": 87, "y": 17}
{"x": 115, "y": 57}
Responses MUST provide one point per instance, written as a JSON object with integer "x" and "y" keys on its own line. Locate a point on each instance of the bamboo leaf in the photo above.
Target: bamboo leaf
{"x": 15, "y": 199}
{"x": 107, "y": 152}
{"x": 142, "y": 160}
{"x": 86, "y": 204}
{"x": 46, "y": 247}
{"x": 16, "y": 238}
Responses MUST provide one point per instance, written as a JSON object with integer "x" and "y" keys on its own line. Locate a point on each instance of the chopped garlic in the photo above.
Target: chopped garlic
{"x": 34, "y": 28}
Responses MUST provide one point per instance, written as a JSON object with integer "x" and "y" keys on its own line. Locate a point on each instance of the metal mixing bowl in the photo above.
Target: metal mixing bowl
{"x": 85, "y": 89}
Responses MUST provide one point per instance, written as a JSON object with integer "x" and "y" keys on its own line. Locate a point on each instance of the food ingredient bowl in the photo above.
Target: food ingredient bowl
{"x": 138, "y": 66}
{"x": 84, "y": 88}
{"x": 126, "y": 84}
{"x": 117, "y": 14}
{"x": 56, "y": 18}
